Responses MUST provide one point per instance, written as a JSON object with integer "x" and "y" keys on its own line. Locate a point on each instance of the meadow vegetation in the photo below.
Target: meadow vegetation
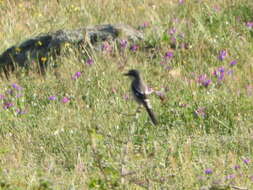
{"x": 75, "y": 128}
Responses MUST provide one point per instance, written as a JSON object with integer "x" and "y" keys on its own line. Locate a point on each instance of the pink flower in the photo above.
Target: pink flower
{"x": 16, "y": 86}
{"x": 231, "y": 176}
{"x": 2, "y": 96}
{"x": 123, "y": 43}
{"x": 134, "y": 47}
{"x": 246, "y": 161}
{"x": 222, "y": 55}
{"x": 21, "y": 112}
{"x": 169, "y": 55}
{"x": 114, "y": 90}
{"x": 237, "y": 167}
{"x": 8, "y": 105}
{"x": 106, "y": 47}
{"x": 180, "y": 1}
{"x": 65, "y": 100}
{"x": 204, "y": 81}
{"x": 232, "y": 63}
{"x": 249, "y": 25}
{"x": 52, "y": 97}
{"x": 89, "y": 61}
{"x": 219, "y": 73}
{"x": 76, "y": 75}
{"x": 208, "y": 171}
{"x": 126, "y": 96}
{"x": 172, "y": 31}
{"x": 144, "y": 25}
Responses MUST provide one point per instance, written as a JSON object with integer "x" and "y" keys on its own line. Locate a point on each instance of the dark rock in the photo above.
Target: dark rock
{"x": 40, "y": 48}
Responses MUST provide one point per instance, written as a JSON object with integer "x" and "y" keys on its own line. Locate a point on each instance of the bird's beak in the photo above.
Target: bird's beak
{"x": 126, "y": 74}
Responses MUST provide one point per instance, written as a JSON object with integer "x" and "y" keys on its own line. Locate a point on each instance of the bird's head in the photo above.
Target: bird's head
{"x": 133, "y": 73}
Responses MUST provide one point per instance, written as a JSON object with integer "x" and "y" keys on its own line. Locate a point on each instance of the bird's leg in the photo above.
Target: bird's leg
{"x": 136, "y": 114}
{"x": 138, "y": 111}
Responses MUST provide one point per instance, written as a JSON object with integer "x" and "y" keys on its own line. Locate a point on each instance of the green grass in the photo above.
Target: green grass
{"x": 93, "y": 141}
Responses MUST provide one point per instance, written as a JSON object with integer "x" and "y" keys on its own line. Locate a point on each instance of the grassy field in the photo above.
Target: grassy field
{"x": 78, "y": 130}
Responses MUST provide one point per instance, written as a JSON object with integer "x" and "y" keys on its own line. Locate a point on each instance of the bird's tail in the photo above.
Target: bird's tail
{"x": 150, "y": 112}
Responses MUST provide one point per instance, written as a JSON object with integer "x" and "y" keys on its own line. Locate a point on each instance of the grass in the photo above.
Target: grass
{"x": 204, "y": 139}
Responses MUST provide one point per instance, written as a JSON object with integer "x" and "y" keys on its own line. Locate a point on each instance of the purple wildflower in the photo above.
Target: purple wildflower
{"x": 233, "y": 63}
{"x": 204, "y": 81}
{"x": 134, "y": 47}
{"x": 251, "y": 178}
{"x": 106, "y": 47}
{"x": 173, "y": 39}
{"x": 219, "y": 73}
{"x": 2, "y": 96}
{"x": 126, "y": 97}
{"x": 249, "y": 25}
{"x": 221, "y": 69}
{"x": 20, "y": 112}
{"x": 65, "y": 100}
{"x": 230, "y": 72}
{"x": 231, "y": 176}
{"x": 16, "y": 86}
{"x": 8, "y": 105}
{"x": 172, "y": 31}
{"x": 123, "y": 43}
{"x": 52, "y": 97}
{"x": 222, "y": 55}
{"x": 89, "y": 61}
{"x": 246, "y": 161}
{"x": 76, "y": 75}
{"x": 180, "y": 1}
{"x": 208, "y": 171}
{"x": 237, "y": 167}
{"x": 168, "y": 55}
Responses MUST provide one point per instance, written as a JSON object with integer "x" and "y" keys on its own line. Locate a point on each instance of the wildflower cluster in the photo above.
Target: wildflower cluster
{"x": 64, "y": 99}
{"x": 232, "y": 174}
{"x": 10, "y": 98}
{"x": 204, "y": 80}
{"x": 219, "y": 73}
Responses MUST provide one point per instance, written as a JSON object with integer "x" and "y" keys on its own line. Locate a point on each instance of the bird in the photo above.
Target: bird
{"x": 140, "y": 92}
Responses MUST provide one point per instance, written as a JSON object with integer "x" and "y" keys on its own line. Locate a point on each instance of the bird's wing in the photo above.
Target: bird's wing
{"x": 139, "y": 90}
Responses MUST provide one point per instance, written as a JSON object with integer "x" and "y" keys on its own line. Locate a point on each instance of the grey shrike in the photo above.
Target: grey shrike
{"x": 140, "y": 92}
